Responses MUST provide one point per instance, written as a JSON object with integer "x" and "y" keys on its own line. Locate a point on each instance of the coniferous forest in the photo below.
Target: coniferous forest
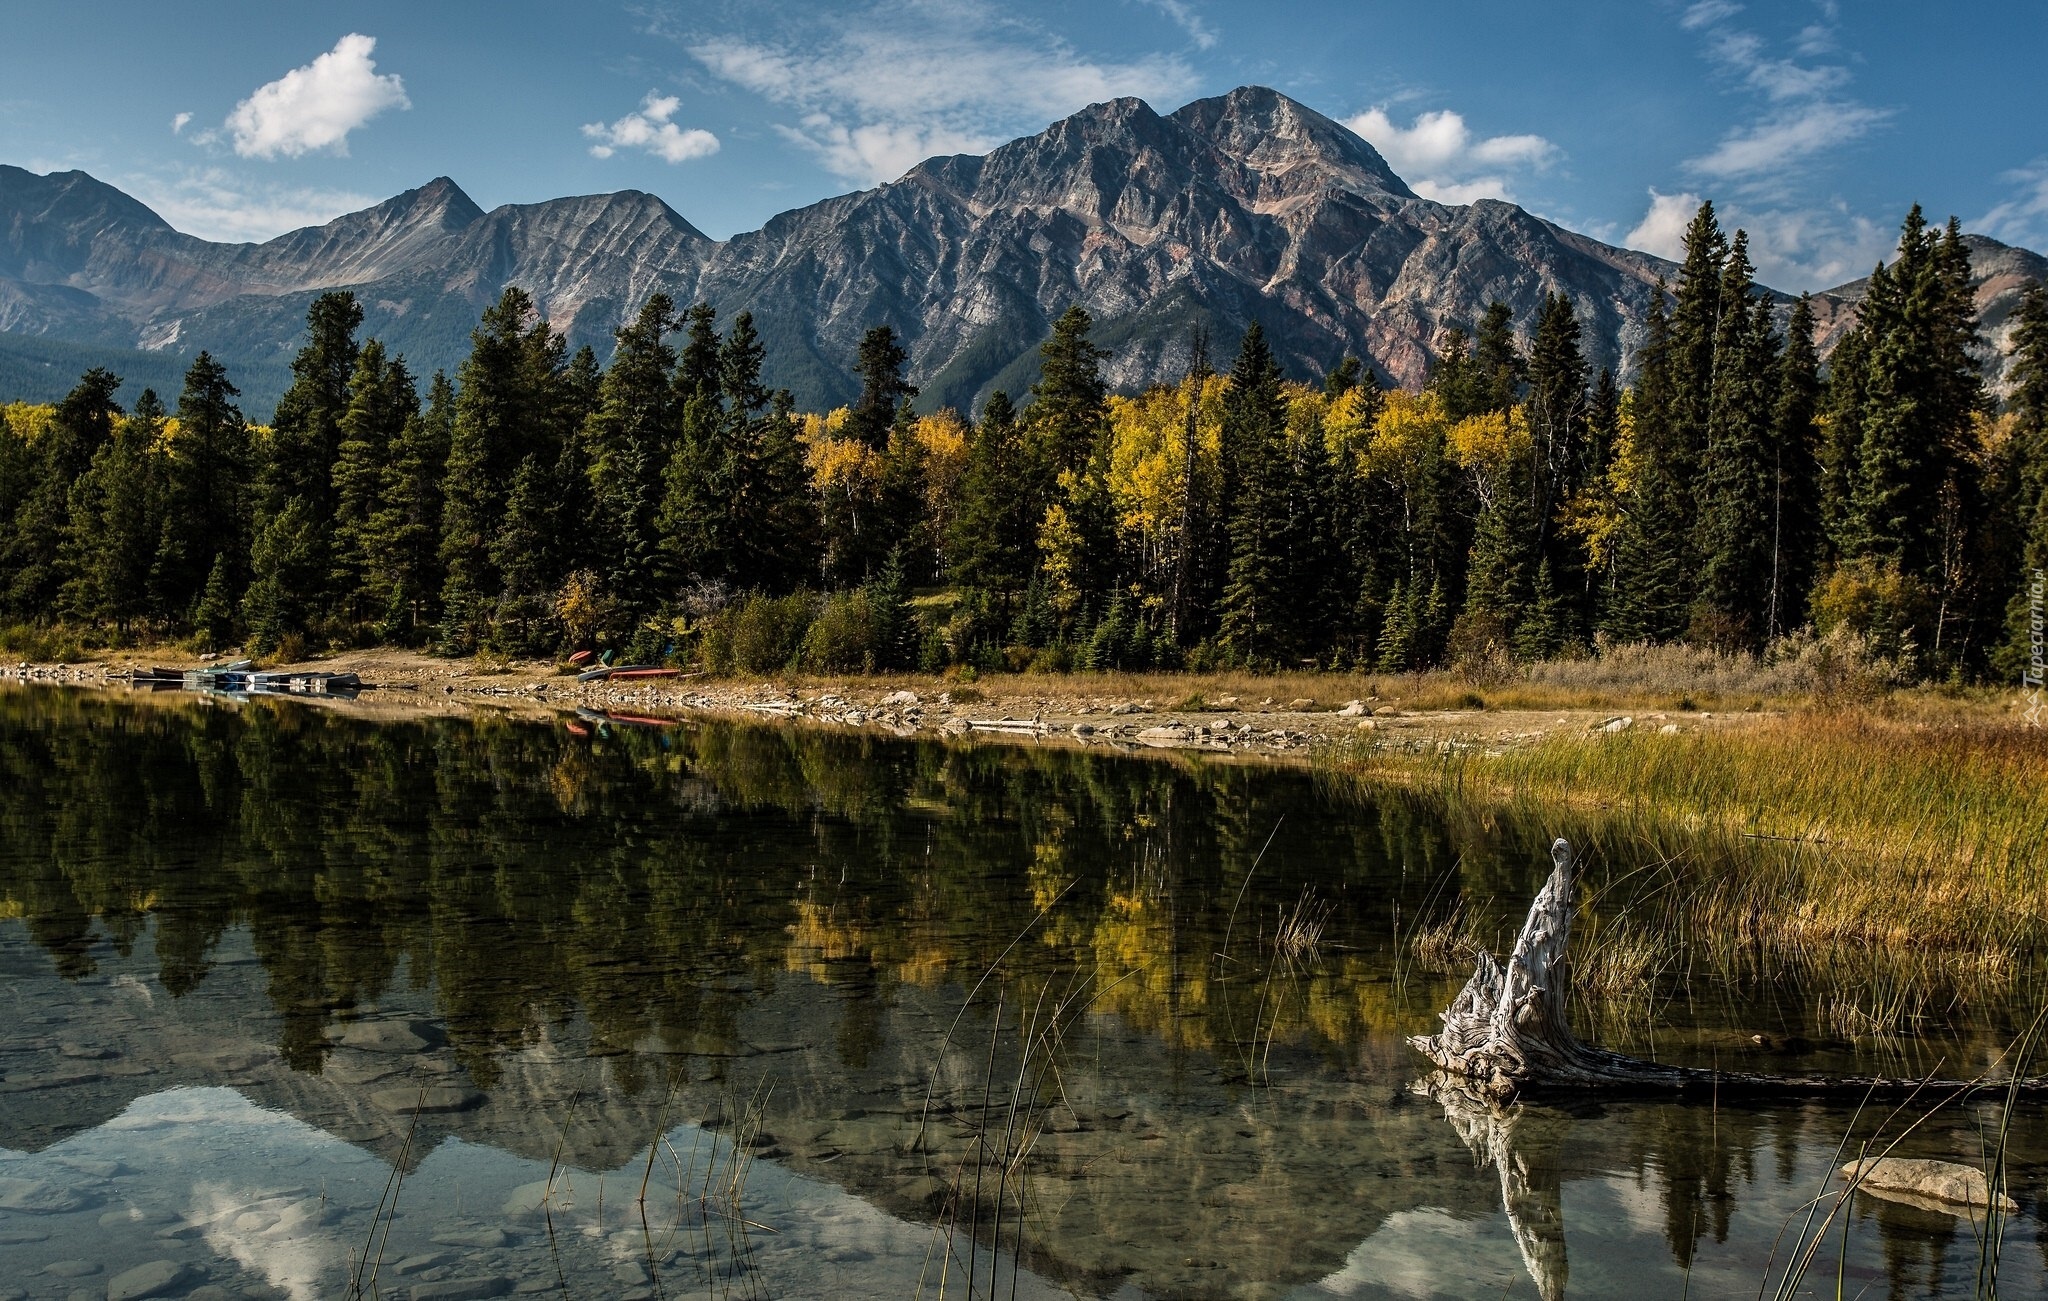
{"x": 1739, "y": 494}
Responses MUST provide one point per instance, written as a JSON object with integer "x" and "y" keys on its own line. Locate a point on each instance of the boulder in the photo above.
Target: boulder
{"x": 900, "y": 698}
{"x": 154, "y": 1279}
{"x": 1355, "y": 709}
{"x": 1948, "y": 1183}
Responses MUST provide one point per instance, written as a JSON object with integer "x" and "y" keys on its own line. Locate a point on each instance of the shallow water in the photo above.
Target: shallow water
{"x": 296, "y": 1002}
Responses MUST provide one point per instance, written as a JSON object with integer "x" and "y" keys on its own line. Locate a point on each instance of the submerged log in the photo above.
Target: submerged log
{"x": 1507, "y": 1032}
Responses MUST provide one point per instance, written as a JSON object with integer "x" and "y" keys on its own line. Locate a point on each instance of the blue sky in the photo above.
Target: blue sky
{"x": 1814, "y": 123}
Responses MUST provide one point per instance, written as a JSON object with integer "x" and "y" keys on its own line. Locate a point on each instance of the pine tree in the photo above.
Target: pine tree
{"x": 285, "y": 562}
{"x": 1562, "y": 458}
{"x": 213, "y": 614}
{"x": 2028, "y": 485}
{"x": 1254, "y": 444}
{"x": 995, "y": 532}
{"x": 882, "y": 387}
{"x": 1794, "y": 476}
{"x": 1546, "y": 630}
{"x": 1497, "y": 363}
{"x": 1652, "y": 560}
{"x": 208, "y": 513}
{"x": 306, "y": 432}
{"x": 82, "y": 425}
{"x": 1069, "y": 402}
{"x": 116, "y": 516}
{"x": 627, "y": 443}
{"x": 381, "y": 400}
{"x": 1733, "y": 534}
{"x": 510, "y": 409}
{"x": 404, "y": 542}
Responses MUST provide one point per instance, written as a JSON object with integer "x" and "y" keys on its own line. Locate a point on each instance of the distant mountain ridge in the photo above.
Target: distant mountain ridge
{"x": 1244, "y": 207}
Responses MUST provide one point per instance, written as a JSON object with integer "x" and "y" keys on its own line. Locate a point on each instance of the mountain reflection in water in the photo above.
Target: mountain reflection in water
{"x": 556, "y": 947}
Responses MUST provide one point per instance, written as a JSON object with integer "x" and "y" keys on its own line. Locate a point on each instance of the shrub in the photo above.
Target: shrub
{"x": 853, "y": 632}
{"x": 757, "y": 634}
{"x": 1873, "y": 600}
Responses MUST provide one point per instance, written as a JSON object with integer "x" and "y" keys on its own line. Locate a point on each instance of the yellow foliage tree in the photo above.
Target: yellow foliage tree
{"x": 1148, "y": 470}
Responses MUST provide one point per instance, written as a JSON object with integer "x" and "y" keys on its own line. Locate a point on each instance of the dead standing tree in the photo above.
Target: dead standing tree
{"x": 1507, "y": 1032}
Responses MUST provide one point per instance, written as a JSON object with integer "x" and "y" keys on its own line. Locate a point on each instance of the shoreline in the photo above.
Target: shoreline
{"x": 1079, "y": 710}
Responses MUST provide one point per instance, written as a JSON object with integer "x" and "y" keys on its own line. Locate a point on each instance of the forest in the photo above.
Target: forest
{"x": 1737, "y": 494}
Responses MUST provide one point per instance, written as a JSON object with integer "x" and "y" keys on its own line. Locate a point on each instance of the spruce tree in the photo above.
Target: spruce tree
{"x": 1794, "y": 475}
{"x": 285, "y": 562}
{"x": 404, "y": 544}
{"x": 306, "y": 432}
{"x": 1069, "y": 400}
{"x": 2028, "y": 483}
{"x": 1562, "y": 458}
{"x": 381, "y": 400}
{"x": 208, "y": 512}
{"x": 879, "y": 367}
{"x": 509, "y": 410}
{"x": 1254, "y": 444}
{"x": 1733, "y": 535}
{"x": 626, "y": 446}
{"x": 994, "y": 540}
{"x": 1652, "y": 560}
{"x": 82, "y": 425}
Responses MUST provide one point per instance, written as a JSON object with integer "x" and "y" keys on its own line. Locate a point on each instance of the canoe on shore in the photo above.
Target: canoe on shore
{"x": 645, "y": 671}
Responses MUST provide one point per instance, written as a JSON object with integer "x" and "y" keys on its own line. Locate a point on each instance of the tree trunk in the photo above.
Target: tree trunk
{"x": 1507, "y": 1033}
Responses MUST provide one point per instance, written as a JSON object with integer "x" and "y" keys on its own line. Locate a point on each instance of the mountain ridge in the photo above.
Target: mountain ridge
{"x": 1242, "y": 207}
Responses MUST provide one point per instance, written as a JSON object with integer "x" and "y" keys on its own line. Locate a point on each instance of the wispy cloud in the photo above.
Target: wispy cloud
{"x": 180, "y": 122}
{"x": 1441, "y": 159}
{"x": 1794, "y": 249}
{"x": 1183, "y": 16}
{"x": 316, "y": 106}
{"x": 874, "y": 94}
{"x": 1806, "y": 110}
{"x": 1706, "y": 13}
{"x": 2023, "y": 218}
{"x": 650, "y": 129}
{"x": 213, "y": 203}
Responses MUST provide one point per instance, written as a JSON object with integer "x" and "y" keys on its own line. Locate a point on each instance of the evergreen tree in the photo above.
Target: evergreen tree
{"x": 995, "y": 532}
{"x": 381, "y": 400}
{"x": 1794, "y": 476}
{"x": 1652, "y": 560}
{"x": 404, "y": 542}
{"x": 213, "y": 614}
{"x": 2028, "y": 482}
{"x": 1562, "y": 458}
{"x": 1345, "y": 376}
{"x": 207, "y": 514}
{"x": 1069, "y": 402}
{"x": 1254, "y": 445}
{"x": 1733, "y": 535}
{"x": 1498, "y": 366}
{"x": 285, "y": 562}
{"x": 306, "y": 433}
{"x": 882, "y": 387}
{"x": 509, "y": 410}
{"x": 627, "y": 443}
{"x": 116, "y": 510}
{"x": 82, "y": 425}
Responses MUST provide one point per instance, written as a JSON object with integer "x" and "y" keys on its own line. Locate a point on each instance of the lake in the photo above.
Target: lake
{"x": 314, "y": 1001}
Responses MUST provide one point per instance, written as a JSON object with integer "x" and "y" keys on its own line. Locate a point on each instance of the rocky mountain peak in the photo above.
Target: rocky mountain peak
{"x": 1277, "y": 136}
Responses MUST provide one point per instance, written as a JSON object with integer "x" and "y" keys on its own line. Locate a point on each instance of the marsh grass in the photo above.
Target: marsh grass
{"x": 1799, "y": 835}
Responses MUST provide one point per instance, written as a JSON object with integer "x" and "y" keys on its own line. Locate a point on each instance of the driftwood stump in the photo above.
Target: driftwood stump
{"x": 1507, "y": 1032}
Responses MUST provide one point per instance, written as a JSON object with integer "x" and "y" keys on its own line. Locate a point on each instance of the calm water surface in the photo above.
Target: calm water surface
{"x": 298, "y": 1002}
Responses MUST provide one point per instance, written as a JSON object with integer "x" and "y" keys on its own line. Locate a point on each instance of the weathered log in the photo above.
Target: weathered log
{"x": 1507, "y": 1031}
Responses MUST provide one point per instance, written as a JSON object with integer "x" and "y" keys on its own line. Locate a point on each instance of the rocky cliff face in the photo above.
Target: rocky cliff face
{"x": 1246, "y": 207}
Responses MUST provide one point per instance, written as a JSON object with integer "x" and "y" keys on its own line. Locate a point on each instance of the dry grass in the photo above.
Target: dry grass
{"x": 1806, "y": 833}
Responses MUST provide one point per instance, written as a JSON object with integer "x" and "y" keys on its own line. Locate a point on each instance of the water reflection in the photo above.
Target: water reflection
{"x": 563, "y": 944}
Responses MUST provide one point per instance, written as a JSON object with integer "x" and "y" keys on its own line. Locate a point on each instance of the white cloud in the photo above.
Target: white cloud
{"x": 179, "y": 123}
{"x": 1776, "y": 143}
{"x": 1183, "y": 16}
{"x": 213, "y": 203}
{"x": 649, "y": 128}
{"x": 876, "y": 93}
{"x": 316, "y": 106}
{"x": 1706, "y": 13}
{"x": 1662, "y": 229}
{"x": 1808, "y": 112}
{"x": 1439, "y": 158}
{"x": 1794, "y": 249}
{"x": 2022, "y": 219}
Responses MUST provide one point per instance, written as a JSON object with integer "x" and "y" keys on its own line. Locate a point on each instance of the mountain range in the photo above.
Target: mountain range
{"x": 1240, "y": 208}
